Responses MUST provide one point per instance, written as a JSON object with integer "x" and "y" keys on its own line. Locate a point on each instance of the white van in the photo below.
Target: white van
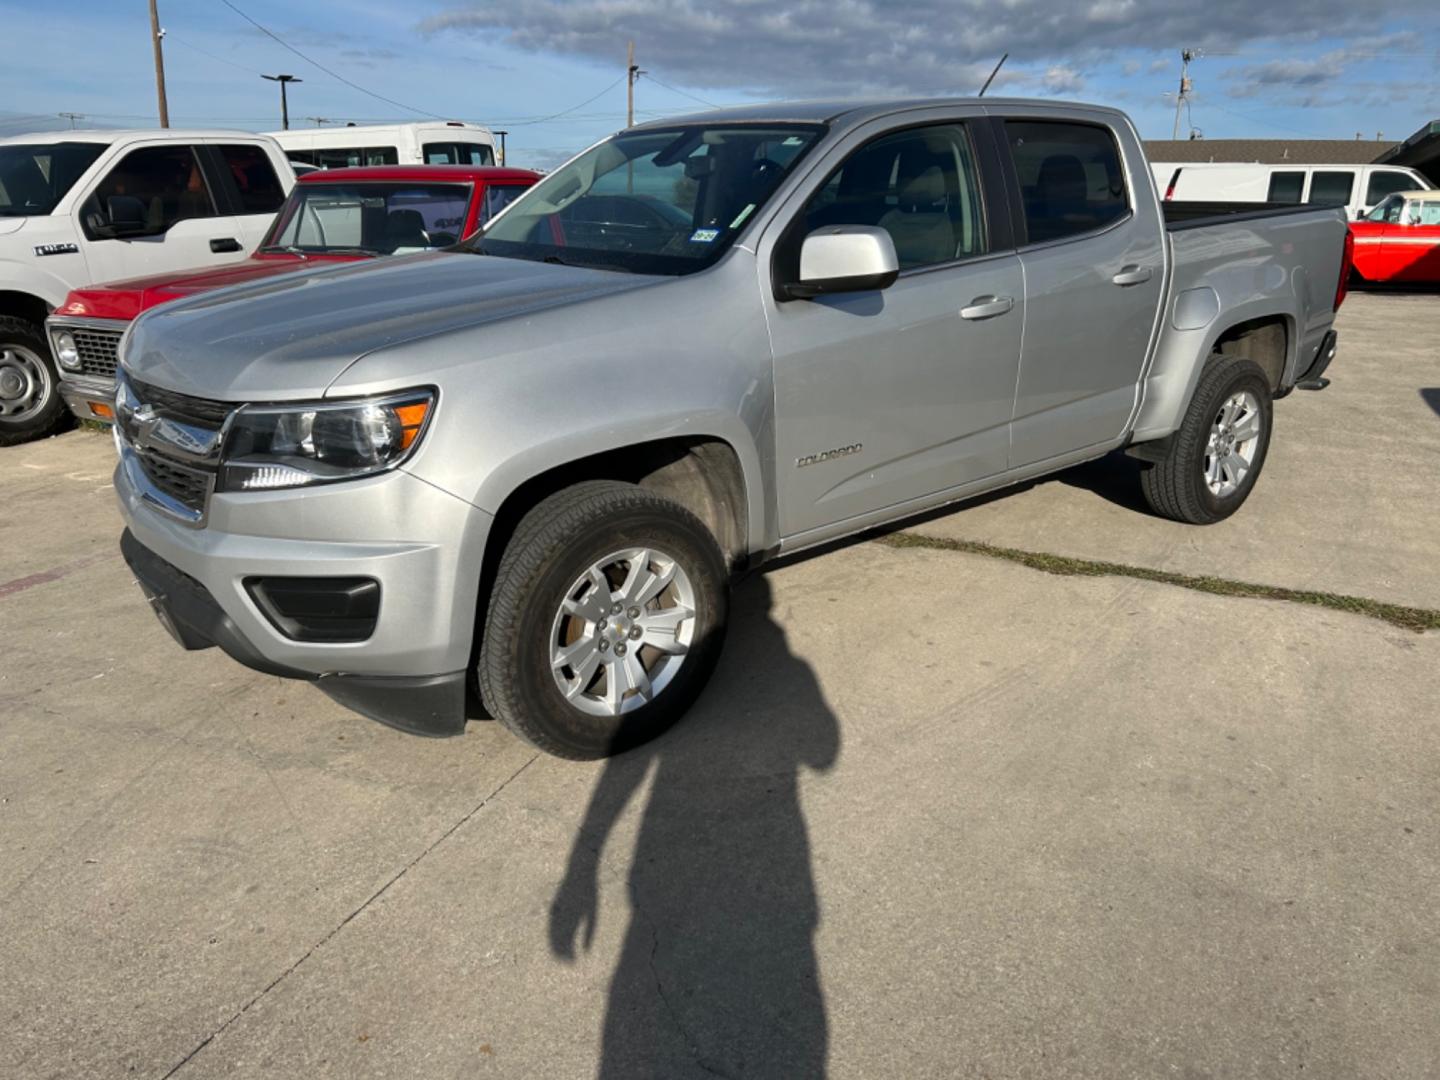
{"x": 1358, "y": 188}
{"x": 449, "y": 142}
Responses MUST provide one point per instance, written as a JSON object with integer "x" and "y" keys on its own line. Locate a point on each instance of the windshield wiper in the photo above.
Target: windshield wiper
{"x": 284, "y": 249}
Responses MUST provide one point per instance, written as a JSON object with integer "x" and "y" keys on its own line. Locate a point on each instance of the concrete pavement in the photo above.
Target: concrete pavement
{"x": 939, "y": 815}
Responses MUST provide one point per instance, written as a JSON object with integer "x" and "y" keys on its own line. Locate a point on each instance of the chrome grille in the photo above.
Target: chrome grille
{"x": 97, "y": 349}
{"x": 189, "y": 486}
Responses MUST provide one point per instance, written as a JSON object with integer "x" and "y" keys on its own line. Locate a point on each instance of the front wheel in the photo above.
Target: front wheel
{"x": 605, "y": 620}
{"x": 30, "y": 402}
{"x": 1213, "y": 460}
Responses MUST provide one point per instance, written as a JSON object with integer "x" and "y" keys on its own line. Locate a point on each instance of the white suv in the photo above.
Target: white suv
{"x": 79, "y": 207}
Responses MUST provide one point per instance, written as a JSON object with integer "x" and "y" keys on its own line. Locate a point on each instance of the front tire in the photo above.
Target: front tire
{"x": 30, "y": 402}
{"x": 1214, "y": 459}
{"x": 605, "y": 621}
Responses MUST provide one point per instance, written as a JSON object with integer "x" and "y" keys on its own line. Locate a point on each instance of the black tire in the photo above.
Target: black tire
{"x": 41, "y": 411}
{"x": 1175, "y": 486}
{"x": 552, "y": 547}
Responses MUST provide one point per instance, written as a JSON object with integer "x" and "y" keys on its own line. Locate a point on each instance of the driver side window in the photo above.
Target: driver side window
{"x": 161, "y": 185}
{"x": 920, "y": 185}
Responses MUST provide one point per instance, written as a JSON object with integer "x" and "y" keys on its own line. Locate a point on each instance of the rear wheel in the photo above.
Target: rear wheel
{"x": 30, "y": 402}
{"x": 1214, "y": 459}
{"x": 605, "y": 621}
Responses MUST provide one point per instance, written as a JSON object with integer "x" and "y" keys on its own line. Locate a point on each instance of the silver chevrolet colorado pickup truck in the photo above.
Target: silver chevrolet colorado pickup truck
{"x": 518, "y": 474}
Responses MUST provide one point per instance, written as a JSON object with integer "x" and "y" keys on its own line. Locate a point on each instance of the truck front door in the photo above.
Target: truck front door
{"x": 1094, "y": 261}
{"x": 888, "y": 396}
{"x": 184, "y": 226}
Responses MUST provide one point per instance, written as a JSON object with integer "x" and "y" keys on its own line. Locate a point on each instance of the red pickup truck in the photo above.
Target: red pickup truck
{"x": 334, "y": 215}
{"x": 1399, "y": 241}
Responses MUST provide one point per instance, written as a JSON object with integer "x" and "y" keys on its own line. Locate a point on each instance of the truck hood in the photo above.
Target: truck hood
{"x": 128, "y": 298}
{"x": 291, "y": 337}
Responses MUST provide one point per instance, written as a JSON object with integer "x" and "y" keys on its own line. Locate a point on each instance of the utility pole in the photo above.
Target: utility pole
{"x": 502, "y": 135}
{"x": 72, "y": 117}
{"x": 632, "y": 76}
{"x": 1186, "y": 55}
{"x": 155, "y": 35}
{"x": 320, "y": 121}
{"x": 283, "y": 80}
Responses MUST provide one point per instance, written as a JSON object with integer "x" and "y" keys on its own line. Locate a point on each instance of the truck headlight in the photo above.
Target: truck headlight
{"x": 67, "y": 354}
{"x": 285, "y": 446}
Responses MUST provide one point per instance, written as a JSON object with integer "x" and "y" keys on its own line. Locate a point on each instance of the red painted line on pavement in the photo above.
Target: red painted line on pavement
{"x": 44, "y": 577}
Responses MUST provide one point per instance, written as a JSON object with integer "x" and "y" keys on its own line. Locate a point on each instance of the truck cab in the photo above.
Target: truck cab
{"x": 332, "y": 216}
{"x": 78, "y": 207}
{"x": 1399, "y": 241}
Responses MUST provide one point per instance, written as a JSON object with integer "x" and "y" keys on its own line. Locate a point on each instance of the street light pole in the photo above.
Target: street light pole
{"x": 283, "y": 80}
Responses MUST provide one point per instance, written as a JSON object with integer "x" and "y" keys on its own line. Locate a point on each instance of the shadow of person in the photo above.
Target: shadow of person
{"x": 718, "y": 974}
{"x": 1431, "y": 396}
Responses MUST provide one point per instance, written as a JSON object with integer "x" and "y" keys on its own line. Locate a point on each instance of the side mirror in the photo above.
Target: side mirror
{"x": 126, "y": 217}
{"x": 845, "y": 258}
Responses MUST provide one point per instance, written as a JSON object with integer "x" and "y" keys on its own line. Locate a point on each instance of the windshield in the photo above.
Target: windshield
{"x": 369, "y": 218}
{"x": 1388, "y": 210}
{"x": 34, "y": 177}
{"x": 666, "y": 201}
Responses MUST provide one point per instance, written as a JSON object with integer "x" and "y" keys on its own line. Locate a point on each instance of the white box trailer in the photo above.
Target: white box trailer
{"x": 1358, "y": 188}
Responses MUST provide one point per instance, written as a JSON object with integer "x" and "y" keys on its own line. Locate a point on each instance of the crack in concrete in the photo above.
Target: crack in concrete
{"x": 349, "y": 918}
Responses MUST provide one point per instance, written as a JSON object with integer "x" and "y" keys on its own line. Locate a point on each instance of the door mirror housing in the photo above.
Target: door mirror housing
{"x": 845, "y": 258}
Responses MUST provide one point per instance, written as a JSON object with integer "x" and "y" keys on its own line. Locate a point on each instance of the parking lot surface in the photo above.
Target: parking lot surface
{"x": 939, "y": 814}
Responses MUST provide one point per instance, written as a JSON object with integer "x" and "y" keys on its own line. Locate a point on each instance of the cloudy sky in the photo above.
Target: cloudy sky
{"x": 552, "y": 71}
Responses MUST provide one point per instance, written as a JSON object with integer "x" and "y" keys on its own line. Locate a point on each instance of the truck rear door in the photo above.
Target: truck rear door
{"x": 1093, "y": 252}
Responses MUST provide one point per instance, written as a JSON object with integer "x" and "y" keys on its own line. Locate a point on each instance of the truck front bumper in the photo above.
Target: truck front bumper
{"x": 89, "y": 399}
{"x": 408, "y": 664}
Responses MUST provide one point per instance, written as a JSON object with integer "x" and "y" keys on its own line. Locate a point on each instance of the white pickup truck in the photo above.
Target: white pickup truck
{"x": 79, "y": 207}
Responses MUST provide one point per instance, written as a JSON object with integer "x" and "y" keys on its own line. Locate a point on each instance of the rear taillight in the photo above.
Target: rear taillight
{"x": 1347, "y": 263}
{"x": 1170, "y": 191}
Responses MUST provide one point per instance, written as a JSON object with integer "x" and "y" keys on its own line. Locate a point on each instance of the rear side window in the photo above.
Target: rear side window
{"x": 1286, "y": 187}
{"x": 1071, "y": 177}
{"x": 1385, "y": 182}
{"x": 457, "y": 153}
{"x": 255, "y": 180}
{"x": 164, "y": 184}
{"x": 1331, "y": 188}
{"x": 344, "y": 157}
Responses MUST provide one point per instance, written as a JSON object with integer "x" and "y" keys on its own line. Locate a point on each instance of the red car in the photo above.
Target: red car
{"x": 1399, "y": 240}
{"x": 333, "y": 215}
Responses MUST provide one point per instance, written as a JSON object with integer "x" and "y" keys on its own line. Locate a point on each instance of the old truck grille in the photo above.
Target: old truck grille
{"x": 97, "y": 350}
{"x": 187, "y": 485}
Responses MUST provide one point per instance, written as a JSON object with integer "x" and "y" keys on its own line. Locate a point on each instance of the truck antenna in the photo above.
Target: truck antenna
{"x": 993, "y": 73}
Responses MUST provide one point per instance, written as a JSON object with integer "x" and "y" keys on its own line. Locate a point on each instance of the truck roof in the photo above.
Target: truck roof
{"x": 854, "y": 111}
{"x": 108, "y": 135}
{"x": 489, "y": 173}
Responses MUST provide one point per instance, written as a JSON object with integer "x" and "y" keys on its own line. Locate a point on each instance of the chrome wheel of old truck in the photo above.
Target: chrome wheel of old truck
{"x": 1234, "y": 437}
{"x": 605, "y": 619}
{"x": 622, "y": 631}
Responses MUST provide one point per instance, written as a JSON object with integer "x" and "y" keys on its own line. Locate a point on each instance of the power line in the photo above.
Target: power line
{"x": 651, "y": 76}
{"x": 334, "y": 75}
{"x": 212, "y": 56}
{"x": 565, "y": 112}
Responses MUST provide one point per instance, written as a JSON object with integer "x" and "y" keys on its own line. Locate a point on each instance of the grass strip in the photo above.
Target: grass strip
{"x": 1407, "y": 618}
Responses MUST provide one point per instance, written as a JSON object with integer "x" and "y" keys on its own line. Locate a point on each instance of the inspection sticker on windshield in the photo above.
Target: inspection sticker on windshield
{"x": 704, "y": 236}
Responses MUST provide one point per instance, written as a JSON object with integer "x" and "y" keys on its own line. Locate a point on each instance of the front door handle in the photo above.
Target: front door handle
{"x": 986, "y": 307}
{"x": 224, "y": 244}
{"x": 1132, "y": 275}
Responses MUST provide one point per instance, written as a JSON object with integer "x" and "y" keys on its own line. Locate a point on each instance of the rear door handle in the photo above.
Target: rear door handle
{"x": 1132, "y": 275}
{"x": 986, "y": 307}
{"x": 224, "y": 244}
